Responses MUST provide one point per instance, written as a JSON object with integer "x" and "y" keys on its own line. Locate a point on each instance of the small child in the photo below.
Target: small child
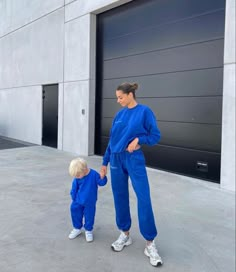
{"x": 84, "y": 196}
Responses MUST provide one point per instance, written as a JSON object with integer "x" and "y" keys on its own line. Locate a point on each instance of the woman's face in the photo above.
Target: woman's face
{"x": 125, "y": 100}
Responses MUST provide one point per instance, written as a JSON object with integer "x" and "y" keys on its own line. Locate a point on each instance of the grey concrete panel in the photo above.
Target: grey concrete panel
{"x": 82, "y": 7}
{"x": 33, "y": 55}
{"x": 15, "y": 13}
{"x": 92, "y": 84}
{"x": 21, "y": 113}
{"x": 76, "y": 116}
{"x": 60, "y": 116}
{"x": 77, "y": 49}
{"x": 228, "y": 112}
{"x": 228, "y": 129}
{"x": 195, "y": 220}
{"x": 91, "y": 125}
{"x": 229, "y": 48}
{"x": 69, "y": 1}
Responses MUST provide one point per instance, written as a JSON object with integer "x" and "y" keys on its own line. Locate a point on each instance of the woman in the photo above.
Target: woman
{"x": 133, "y": 126}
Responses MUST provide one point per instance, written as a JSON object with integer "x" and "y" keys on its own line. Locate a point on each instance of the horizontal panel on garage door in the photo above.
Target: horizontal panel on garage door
{"x": 205, "y": 82}
{"x": 142, "y": 13}
{"x": 205, "y": 165}
{"x": 194, "y": 163}
{"x": 190, "y": 57}
{"x": 174, "y": 50}
{"x": 206, "y": 110}
{"x": 188, "y": 135}
{"x": 192, "y": 30}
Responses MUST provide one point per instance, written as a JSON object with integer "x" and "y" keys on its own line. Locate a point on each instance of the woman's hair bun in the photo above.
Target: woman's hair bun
{"x": 127, "y": 87}
{"x": 134, "y": 86}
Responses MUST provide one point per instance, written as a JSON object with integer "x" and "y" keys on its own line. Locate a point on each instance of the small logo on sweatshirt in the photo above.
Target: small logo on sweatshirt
{"x": 118, "y": 121}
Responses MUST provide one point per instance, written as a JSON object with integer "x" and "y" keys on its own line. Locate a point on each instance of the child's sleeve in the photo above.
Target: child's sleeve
{"x": 74, "y": 189}
{"x": 101, "y": 182}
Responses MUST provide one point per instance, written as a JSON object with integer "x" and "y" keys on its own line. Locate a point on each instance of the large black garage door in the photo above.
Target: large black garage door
{"x": 174, "y": 50}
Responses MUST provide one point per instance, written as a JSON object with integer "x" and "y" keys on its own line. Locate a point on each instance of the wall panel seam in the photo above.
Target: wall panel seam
{"x": 31, "y": 22}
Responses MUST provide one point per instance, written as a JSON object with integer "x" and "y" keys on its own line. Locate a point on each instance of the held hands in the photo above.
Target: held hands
{"x": 103, "y": 171}
{"x": 133, "y": 145}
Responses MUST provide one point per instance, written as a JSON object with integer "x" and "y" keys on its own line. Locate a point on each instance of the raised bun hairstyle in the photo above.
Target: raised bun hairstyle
{"x": 127, "y": 88}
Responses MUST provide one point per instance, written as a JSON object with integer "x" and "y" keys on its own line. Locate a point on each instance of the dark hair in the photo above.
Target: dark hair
{"x": 127, "y": 88}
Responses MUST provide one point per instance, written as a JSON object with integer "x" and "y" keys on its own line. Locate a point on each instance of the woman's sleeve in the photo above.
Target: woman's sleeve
{"x": 153, "y": 134}
{"x": 106, "y": 157}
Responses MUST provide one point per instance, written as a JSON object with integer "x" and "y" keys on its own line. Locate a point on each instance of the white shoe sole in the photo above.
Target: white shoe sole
{"x": 153, "y": 263}
{"x": 129, "y": 242}
{"x": 89, "y": 240}
{"x": 74, "y": 236}
{"x": 88, "y": 236}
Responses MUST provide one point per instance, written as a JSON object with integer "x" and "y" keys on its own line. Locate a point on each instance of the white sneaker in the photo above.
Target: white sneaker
{"x": 74, "y": 233}
{"x": 89, "y": 236}
{"x": 121, "y": 242}
{"x": 151, "y": 252}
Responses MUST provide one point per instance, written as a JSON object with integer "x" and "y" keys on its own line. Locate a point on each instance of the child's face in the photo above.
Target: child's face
{"x": 81, "y": 175}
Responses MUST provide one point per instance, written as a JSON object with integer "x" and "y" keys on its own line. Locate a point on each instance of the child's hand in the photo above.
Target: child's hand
{"x": 103, "y": 171}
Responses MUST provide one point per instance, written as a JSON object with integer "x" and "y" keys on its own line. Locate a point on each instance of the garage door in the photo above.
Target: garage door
{"x": 174, "y": 50}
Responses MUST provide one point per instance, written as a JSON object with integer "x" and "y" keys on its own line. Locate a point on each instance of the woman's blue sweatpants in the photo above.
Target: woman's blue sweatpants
{"x": 122, "y": 166}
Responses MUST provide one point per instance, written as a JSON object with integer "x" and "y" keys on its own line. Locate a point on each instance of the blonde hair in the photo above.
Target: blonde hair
{"x": 77, "y": 167}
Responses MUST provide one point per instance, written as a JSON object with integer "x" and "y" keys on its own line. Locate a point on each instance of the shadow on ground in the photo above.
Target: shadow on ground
{"x": 7, "y": 143}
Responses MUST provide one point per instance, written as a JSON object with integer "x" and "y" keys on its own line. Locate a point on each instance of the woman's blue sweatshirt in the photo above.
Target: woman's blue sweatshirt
{"x": 128, "y": 124}
{"x": 84, "y": 190}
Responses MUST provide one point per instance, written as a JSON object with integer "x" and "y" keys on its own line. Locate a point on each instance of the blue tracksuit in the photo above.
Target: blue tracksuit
{"x": 84, "y": 198}
{"x": 128, "y": 124}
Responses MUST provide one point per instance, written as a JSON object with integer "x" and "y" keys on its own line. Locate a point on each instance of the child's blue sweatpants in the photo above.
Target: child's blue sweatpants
{"x": 80, "y": 212}
{"x": 122, "y": 166}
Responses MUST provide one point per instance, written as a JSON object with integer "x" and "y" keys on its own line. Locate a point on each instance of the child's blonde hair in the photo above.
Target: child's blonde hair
{"x": 77, "y": 167}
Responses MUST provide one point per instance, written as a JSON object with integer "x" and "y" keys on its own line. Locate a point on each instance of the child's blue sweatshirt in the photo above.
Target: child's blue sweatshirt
{"x": 84, "y": 190}
{"x": 128, "y": 124}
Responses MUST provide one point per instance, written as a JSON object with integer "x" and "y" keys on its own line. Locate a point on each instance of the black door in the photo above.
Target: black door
{"x": 174, "y": 50}
{"x": 50, "y": 115}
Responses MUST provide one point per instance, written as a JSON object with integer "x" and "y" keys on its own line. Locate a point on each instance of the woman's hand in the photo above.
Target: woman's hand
{"x": 133, "y": 145}
{"x": 103, "y": 171}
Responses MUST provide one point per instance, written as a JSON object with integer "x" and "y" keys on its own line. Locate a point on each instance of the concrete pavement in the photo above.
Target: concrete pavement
{"x": 195, "y": 219}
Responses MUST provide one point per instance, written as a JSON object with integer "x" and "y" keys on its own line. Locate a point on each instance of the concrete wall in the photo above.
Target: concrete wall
{"x": 31, "y": 54}
{"x": 228, "y": 118}
{"x": 20, "y": 113}
{"x": 15, "y": 14}
{"x": 45, "y": 42}
{"x": 79, "y": 74}
{"x": 79, "y": 8}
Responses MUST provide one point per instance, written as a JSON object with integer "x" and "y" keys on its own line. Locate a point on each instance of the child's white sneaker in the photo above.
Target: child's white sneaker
{"x": 122, "y": 241}
{"x": 151, "y": 252}
{"x": 89, "y": 236}
{"x": 74, "y": 233}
